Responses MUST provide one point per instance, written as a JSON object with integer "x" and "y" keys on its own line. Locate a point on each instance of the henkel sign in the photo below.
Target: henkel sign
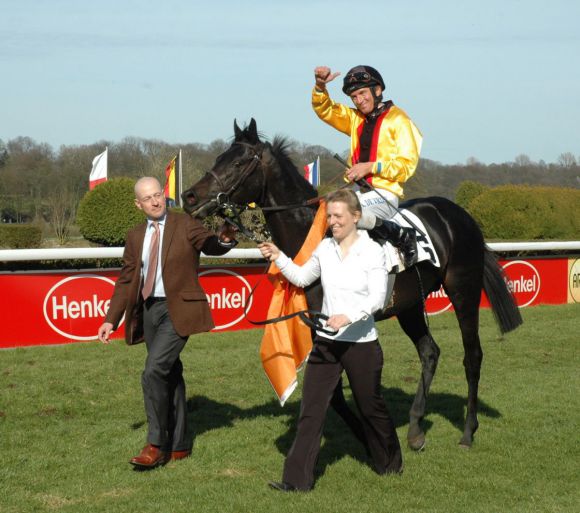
{"x": 42, "y": 308}
{"x": 532, "y": 282}
{"x": 55, "y": 307}
{"x": 69, "y": 306}
{"x": 228, "y": 295}
{"x": 76, "y": 306}
{"x": 523, "y": 281}
{"x": 537, "y": 281}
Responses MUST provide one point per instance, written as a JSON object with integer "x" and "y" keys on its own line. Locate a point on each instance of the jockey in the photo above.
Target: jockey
{"x": 384, "y": 149}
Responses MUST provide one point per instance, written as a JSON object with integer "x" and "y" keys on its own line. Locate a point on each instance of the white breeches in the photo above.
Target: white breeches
{"x": 374, "y": 205}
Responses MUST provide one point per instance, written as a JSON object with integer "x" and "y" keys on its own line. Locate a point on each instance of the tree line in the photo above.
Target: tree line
{"x": 41, "y": 184}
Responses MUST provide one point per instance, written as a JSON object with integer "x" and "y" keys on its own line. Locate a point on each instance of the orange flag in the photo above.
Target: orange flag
{"x": 286, "y": 344}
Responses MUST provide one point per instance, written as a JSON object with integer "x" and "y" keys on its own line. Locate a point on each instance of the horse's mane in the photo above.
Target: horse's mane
{"x": 281, "y": 151}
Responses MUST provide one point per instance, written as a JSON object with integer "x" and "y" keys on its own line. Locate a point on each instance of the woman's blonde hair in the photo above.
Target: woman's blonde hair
{"x": 348, "y": 197}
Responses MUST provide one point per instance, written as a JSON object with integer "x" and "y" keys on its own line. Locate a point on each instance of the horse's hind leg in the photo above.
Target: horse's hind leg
{"x": 465, "y": 296}
{"x": 413, "y": 324}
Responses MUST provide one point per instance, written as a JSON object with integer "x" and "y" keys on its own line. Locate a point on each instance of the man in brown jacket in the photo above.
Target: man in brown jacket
{"x": 159, "y": 293}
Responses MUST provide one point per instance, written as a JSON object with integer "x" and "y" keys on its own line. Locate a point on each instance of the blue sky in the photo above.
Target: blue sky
{"x": 489, "y": 80}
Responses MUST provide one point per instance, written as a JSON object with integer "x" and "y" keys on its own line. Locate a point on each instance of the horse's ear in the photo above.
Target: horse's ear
{"x": 253, "y": 132}
{"x": 237, "y": 131}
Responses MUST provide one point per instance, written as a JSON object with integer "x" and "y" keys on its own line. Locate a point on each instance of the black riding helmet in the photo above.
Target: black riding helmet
{"x": 362, "y": 76}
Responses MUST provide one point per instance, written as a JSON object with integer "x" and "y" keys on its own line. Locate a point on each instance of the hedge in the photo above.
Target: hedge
{"x": 106, "y": 213}
{"x": 528, "y": 213}
{"x": 20, "y": 236}
{"x": 468, "y": 191}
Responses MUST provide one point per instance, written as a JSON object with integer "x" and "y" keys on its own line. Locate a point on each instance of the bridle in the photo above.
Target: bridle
{"x": 231, "y": 211}
{"x": 224, "y": 195}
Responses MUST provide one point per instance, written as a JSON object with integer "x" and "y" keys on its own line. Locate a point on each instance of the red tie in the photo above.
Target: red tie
{"x": 152, "y": 267}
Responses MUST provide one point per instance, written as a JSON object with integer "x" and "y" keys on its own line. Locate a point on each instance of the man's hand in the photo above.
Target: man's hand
{"x": 227, "y": 232}
{"x": 104, "y": 332}
{"x": 323, "y": 75}
{"x": 359, "y": 171}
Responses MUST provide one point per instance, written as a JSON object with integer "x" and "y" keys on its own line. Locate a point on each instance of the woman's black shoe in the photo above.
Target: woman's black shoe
{"x": 282, "y": 486}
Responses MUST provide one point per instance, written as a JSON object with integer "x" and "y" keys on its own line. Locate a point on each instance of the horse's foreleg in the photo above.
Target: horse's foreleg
{"x": 413, "y": 324}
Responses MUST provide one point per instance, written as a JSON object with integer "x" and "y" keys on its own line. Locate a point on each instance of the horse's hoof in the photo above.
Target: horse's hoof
{"x": 417, "y": 444}
{"x": 465, "y": 444}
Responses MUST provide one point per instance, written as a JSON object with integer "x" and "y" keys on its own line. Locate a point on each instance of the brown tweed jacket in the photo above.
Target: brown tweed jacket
{"x": 183, "y": 240}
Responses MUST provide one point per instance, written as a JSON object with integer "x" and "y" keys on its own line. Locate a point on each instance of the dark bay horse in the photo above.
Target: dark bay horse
{"x": 252, "y": 170}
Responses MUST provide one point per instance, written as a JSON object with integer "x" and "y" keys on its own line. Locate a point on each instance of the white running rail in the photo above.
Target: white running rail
{"x": 12, "y": 255}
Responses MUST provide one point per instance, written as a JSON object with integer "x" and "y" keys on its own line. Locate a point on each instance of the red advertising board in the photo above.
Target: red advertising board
{"x": 41, "y": 308}
{"x": 532, "y": 281}
{"x": 68, "y": 306}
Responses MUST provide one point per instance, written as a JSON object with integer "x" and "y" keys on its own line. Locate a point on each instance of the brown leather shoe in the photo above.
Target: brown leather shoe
{"x": 179, "y": 455}
{"x": 151, "y": 456}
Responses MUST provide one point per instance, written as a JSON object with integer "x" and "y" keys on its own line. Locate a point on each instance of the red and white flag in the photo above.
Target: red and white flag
{"x": 99, "y": 171}
{"x": 312, "y": 172}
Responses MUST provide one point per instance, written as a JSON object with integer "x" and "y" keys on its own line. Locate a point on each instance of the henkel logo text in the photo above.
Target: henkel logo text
{"x": 67, "y": 309}
{"x": 438, "y": 302}
{"x": 225, "y": 299}
{"x": 523, "y": 280}
{"x": 228, "y": 294}
{"x": 76, "y": 306}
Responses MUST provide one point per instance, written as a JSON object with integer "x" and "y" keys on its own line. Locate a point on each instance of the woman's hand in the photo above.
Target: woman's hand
{"x": 336, "y": 322}
{"x": 269, "y": 250}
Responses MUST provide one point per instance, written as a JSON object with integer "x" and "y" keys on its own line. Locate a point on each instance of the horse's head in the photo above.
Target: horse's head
{"x": 236, "y": 177}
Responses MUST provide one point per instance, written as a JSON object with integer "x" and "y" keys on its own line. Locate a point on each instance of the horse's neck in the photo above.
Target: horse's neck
{"x": 289, "y": 227}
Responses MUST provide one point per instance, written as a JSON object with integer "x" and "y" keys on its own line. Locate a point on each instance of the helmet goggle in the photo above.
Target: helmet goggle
{"x": 360, "y": 76}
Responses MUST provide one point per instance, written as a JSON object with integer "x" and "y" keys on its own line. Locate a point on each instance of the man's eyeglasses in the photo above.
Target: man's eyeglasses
{"x": 147, "y": 199}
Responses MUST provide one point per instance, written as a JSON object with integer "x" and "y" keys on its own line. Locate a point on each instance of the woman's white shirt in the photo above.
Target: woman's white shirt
{"x": 355, "y": 286}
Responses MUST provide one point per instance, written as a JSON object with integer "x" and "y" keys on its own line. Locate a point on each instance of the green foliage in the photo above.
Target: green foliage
{"x": 106, "y": 213}
{"x": 32, "y": 171}
{"x": 468, "y": 191}
{"x": 528, "y": 213}
{"x": 20, "y": 236}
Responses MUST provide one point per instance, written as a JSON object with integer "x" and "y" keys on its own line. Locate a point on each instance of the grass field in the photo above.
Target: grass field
{"x": 72, "y": 416}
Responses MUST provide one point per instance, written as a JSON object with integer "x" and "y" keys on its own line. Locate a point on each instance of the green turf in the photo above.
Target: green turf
{"x": 72, "y": 416}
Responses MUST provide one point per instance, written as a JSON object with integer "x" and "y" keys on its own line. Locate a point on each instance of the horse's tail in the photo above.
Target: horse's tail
{"x": 504, "y": 307}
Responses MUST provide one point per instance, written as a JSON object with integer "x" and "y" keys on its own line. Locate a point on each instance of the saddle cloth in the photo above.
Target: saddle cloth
{"x": 425, "y": 248}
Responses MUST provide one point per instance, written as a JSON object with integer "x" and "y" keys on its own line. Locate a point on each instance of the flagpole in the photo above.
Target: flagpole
{"x": 180, "y": 181}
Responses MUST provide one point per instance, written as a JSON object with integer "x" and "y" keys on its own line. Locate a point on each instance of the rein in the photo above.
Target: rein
{"x": 312, "y": 318}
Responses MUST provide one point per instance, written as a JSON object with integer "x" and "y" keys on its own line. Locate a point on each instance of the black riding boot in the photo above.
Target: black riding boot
{"x": 404, "y": 239}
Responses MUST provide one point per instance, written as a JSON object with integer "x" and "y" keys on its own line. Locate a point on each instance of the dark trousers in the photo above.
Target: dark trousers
{"x": 162, "y": 380}
{"x": 363, "y": 363}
